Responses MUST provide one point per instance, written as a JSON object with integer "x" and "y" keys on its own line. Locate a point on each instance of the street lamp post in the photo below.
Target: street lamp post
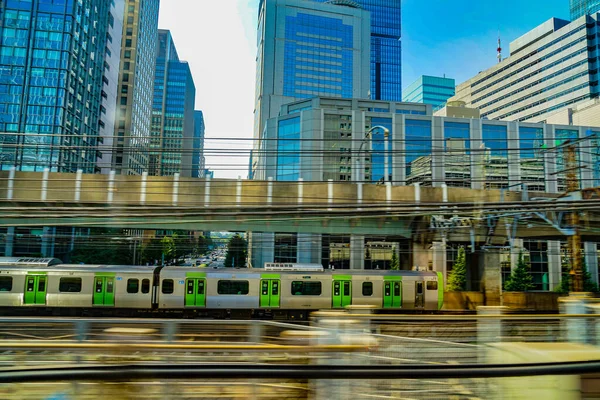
{"x": 358, "y": 161}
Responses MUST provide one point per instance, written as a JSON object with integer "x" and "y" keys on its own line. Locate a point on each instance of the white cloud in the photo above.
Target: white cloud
{"x": 217, "y": 38}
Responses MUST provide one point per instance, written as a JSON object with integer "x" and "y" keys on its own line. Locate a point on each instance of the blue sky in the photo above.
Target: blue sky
{"x": 458, "y": 38}
{"x": 218, "y": 39}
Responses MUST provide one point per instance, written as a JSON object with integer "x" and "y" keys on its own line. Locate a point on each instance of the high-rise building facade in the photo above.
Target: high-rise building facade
{"x": 386, "y": 46}
{"x": 112, "y": 61}
{"x": 312, "y": 141}
{"x": 172, "y": 129}
{"x": 583, "y": 7}
{"x": 131, "y": 144}
{"x": 549, "y": 68}
{"x": 198, "y": 149}
{"x": 430, "y": 90}
{"x": 308, "y": 49}
{"x": 52, "y": 62}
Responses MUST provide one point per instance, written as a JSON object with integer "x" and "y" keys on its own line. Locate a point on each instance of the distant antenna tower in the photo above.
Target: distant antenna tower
{"x": 499, "y": 49}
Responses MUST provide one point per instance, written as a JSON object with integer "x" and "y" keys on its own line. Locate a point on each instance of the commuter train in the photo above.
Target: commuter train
{"x": 279, "y": 290}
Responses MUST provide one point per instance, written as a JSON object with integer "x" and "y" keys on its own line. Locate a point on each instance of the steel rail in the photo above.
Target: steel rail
{"x": 120, "y": 373}
{"x": 183, "y": 346}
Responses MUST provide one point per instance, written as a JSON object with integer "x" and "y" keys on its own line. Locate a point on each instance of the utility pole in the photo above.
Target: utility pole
{"x": 574, "y": 241}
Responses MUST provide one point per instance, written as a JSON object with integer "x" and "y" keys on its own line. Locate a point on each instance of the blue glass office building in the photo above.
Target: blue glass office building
{"x": 386, "y": 46}
{"x": 583, "y": 7}
{"x": 51, "y": 70}
{"x": 430, "y": 90}
{"x": 198, "y": 149}
{"x": 172, "y": 128}
{"x": 306, "y": 49}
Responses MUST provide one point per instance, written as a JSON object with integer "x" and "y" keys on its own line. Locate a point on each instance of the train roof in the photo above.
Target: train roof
{"x": 370, "y": 272}
{"x": 83, "y": 268}
{"x": 29, "y": 261}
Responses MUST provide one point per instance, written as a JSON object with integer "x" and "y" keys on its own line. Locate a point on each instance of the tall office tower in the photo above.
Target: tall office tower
{"x": 549, "y": 68}
{"x": 198, "y": 149}
{"x": 112, "y": 60}
{"x": 172, "y": 130}
{"x": 386, "y": 46}
{"x": 583, "y": 7}
{"x": 52, "y": 64}
{"x": 308, "y": 49}
{"x": 136, "y": 82}
{"x": 430, "y": 90}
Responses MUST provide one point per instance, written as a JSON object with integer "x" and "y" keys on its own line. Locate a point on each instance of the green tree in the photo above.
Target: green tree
{"x": 520, "y": 280}
{"x": 564, "y": 286}
{"x": 151, "y": 251}
{"x": 394, "y": 263}
{"x": 103, "y": 246}
{"x": 457, "y": 280}
{"x": 237, "y": 251}
{"x": 169, "y": 249}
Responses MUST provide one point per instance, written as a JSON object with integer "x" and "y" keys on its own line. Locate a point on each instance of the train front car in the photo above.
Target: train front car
{"x": 62, "y": 289}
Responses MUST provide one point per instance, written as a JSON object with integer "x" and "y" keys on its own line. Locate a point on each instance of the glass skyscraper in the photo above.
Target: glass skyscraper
{"x": 198, "y": 149}
{"x": 136, "y": 82}
{"x": 583, "y": 7}
{"x": 52, "y": 59}
{"x": 305, "y": 50}
{"x": 172, "y": 130}
{"x": 386, "y": 46}
{"x": 430, "y": 90}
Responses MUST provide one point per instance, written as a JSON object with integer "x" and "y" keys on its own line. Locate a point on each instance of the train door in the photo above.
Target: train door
{"x": 342, "y": 291}
{"x": 195, "y": 294}
{"x": 104, "y": 290}
{"x": 392, "y": 293}
{"x": 35, "y": 289}
{"x": 270, "y": 293}
{"x": 419, "y": 294}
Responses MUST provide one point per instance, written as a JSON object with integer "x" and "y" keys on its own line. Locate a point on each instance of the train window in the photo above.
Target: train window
{"x": 233, "y": 287}
{"x": 300, "y": 288}
{"x": 41, "y": 284}
{"x": 133, "y": 285}
{"x": 5, "y": 283}
{"x": 109, "y": 286}
{"x": 200, "y": 286}
{"x": 167, "y": 286}
{"x": 69, "y": 285}
{"x": 396, "y": 289}
{"x": 431, "y": 285}
{"x": 146, "y": 286}
{"x": 367, "y": 289}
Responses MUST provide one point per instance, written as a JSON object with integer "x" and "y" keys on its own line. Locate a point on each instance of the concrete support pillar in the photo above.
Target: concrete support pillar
{"x": 491, "y": 277}
{"x": 10, "y": 241}
{"x": 357, "y": 252}
{"x": 263, "y": 248}
{"x": 516, "y": 248}
{"x": 554, "y": 272}
{"x": 439, "y": 258}
{"x": 591, "y": 259}
{"x": 421, "y": 256}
